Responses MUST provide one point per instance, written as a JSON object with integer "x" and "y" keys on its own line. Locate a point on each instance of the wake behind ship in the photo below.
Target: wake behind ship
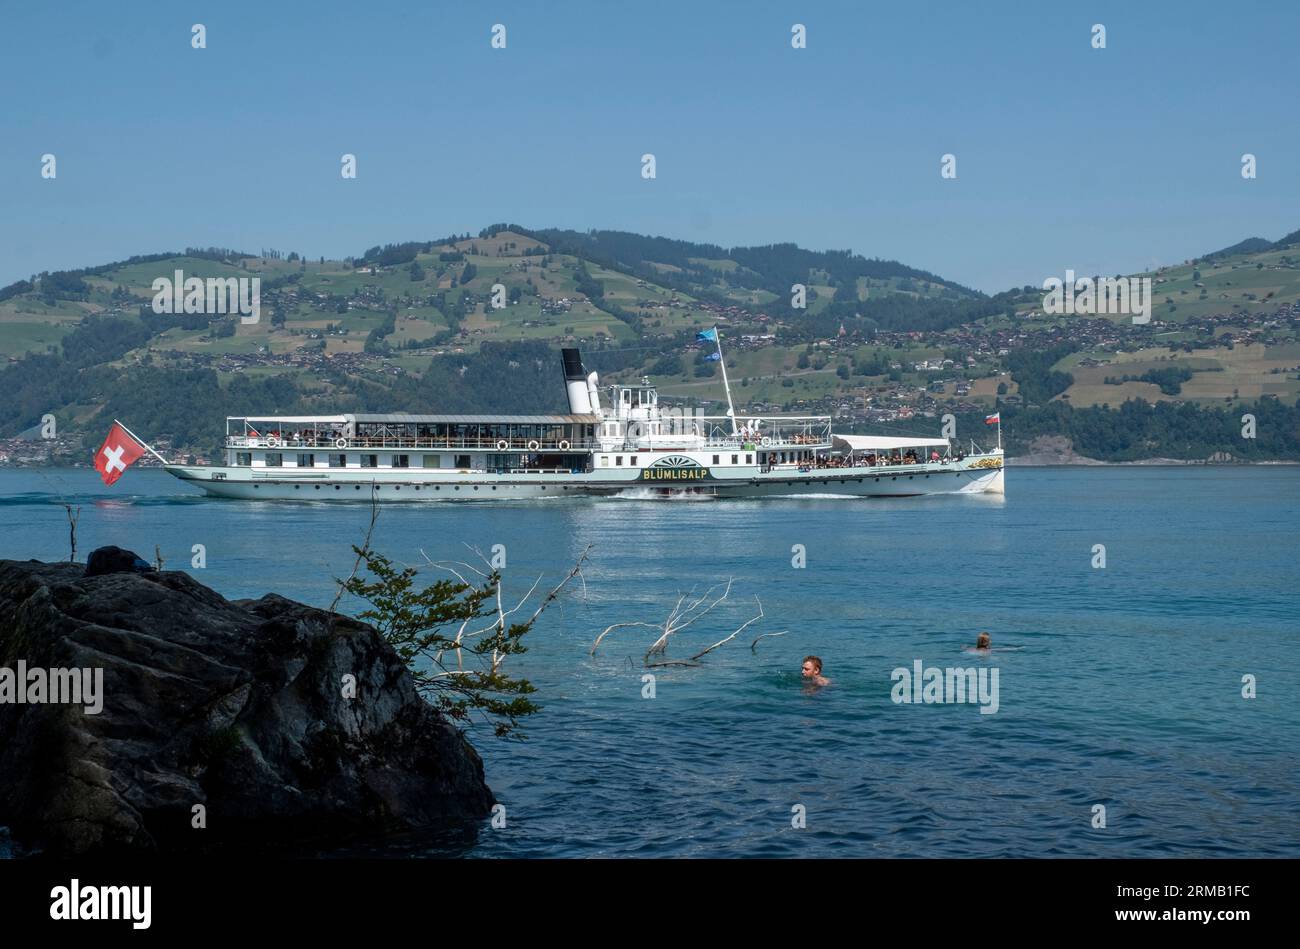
{"x": 633, "y": 447}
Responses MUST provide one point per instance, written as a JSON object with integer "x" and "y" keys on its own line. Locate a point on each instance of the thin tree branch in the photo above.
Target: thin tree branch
{"x": 701, "y": 655}
{"x": 361, "y": 553}
{"x": 609, "y": 629}
{"x": 764, "y": 636}
{"x": 676, "y": 623}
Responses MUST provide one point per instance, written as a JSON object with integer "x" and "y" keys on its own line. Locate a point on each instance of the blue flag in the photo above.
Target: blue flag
{"x": 707, "y": 336}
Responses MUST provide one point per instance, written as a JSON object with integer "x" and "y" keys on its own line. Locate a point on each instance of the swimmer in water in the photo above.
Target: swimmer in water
{"x": 812, "y": 671}
{"x": 984, "y": 646}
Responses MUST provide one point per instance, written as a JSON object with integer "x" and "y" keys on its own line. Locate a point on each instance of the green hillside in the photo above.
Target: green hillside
{"x": 415, "y": 326}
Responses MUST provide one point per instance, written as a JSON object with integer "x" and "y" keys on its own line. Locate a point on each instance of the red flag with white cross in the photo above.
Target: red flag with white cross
{"x": 118, "y": 452}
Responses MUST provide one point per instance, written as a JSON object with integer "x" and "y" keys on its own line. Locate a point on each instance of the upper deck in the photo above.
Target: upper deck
{"x": 534, "y": 433}
{"x": 467, "y": 432}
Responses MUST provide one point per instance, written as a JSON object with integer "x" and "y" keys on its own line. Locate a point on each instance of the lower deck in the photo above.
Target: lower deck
{"x": 672, "y": 475}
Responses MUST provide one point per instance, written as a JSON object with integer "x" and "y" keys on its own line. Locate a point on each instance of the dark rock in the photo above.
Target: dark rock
{"x": 104, "y": 560}
{"x": 236, "y": 706}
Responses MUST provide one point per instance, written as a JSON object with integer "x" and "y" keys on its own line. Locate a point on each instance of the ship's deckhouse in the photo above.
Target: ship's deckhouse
{"x": 456, "y": 442}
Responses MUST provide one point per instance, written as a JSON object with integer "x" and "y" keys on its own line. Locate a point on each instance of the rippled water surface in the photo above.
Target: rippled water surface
{"x": 1118, "y": 686}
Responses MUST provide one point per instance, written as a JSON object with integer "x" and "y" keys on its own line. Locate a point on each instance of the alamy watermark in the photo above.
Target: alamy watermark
{"x": 75, "y": 901}
{"x": 922, "y": 685}
{"x": 213, "y": 296}
{"x": 1088, "y": 296}
{"x": 58, "y": 686}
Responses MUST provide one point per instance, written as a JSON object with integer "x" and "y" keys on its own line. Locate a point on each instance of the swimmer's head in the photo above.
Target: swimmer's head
{"x": 812, "y": 667}
{"x": 983, "y": 640}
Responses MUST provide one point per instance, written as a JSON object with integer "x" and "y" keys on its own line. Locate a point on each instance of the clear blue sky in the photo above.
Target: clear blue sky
{"x": 1103, "y": 161}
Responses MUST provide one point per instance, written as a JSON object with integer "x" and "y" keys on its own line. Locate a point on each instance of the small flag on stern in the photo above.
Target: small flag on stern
{"x": 707, "y": 336}
{"x": 993, "y": 419}
{"x": 118, "y": 452}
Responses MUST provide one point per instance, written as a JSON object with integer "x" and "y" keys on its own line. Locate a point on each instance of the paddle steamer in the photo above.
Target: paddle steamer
{"x": 632, "y": 447}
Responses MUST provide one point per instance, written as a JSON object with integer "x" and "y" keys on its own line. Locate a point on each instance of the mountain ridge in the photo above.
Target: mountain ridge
{"x": 470, "y": 323}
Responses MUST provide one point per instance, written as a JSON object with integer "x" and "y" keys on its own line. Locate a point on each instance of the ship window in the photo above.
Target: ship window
{"x": 462, "y": 461}
{"x": 604, "y": 461}
{"x": 274, "y": 459}
{"x": 369, "y": 461}
{"x": 749, "y": 459}
{"x": 632, "y": 461}
{"x": 618, "y": 460}
{"x": 338, "y": 461}
{"x": 306, "y": 460}
{"x": 715, "y": 459}
{"x": 244, "y": 459}
{"x": 433, "y": 461}
{"x": 735, "y": 459}
{"x": 401, "y": 461}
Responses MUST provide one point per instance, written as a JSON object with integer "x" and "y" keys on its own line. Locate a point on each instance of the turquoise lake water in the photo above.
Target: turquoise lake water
{"x": 1119, "y": 686}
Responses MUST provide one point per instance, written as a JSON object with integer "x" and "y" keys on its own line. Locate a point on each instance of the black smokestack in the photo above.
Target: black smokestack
{"x": 572, "y": 365}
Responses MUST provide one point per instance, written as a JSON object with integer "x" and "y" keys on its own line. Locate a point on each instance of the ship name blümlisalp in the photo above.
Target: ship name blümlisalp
{"x": 674, "y": 474}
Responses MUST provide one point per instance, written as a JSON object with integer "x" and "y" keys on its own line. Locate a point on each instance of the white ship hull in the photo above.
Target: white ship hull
{"x": 415, "y": 486}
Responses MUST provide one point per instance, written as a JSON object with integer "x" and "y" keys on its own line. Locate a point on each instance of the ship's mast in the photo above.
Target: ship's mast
{"x": 731, "y": 410}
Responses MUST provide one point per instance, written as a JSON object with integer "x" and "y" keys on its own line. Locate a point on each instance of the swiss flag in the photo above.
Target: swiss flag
{"x": 118, "y": 452}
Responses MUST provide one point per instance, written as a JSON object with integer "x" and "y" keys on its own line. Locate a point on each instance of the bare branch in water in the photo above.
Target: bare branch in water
{"x": 688, "y": 610}
{"x": 701, "y": 655}
{"x": 73, "y": 516}
{"x": 764, "y": 636}
{"x": 682, "y": 617}
{"x": 610, "y": 629}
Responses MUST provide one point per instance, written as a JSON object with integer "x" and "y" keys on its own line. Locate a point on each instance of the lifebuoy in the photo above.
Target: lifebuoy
{"x": 765, "y": 441}
{"x": 564, "y": 444}
{"x": 340, "y": 443}
{"x": 534, "y": 445}
{"x": 272, "y": 441}
{"x": 502, "y": 444}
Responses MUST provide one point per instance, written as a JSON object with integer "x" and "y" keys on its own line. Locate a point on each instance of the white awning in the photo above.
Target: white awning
{"x": 290, "y": 419}
{"x": 886, "y": 443}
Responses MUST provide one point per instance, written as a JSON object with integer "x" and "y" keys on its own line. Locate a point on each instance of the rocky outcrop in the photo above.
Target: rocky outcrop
{"x": 1051, "y": 450}
{"x": 228, "y": 713}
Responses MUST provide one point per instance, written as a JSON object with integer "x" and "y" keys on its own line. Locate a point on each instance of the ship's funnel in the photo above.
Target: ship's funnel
{"x": 572, "y": 364}
{"x": 575, "y": 382}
